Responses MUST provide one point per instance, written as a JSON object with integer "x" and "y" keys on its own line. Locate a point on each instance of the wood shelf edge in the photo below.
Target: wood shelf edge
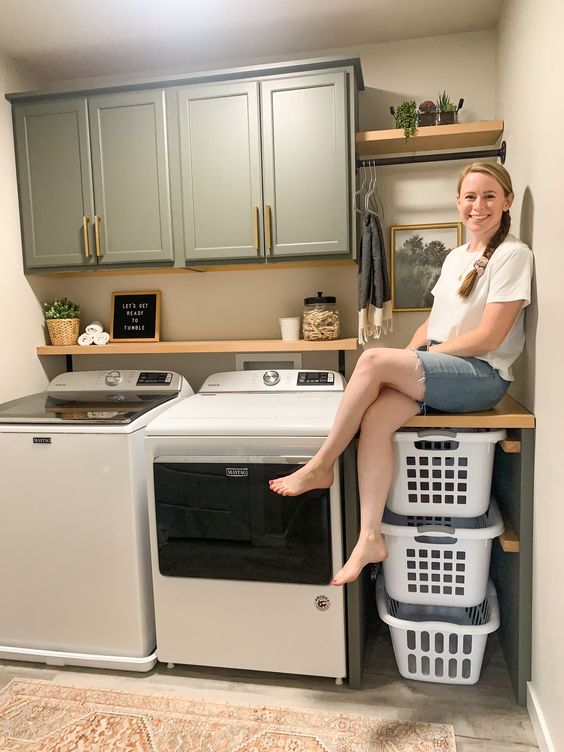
{"x": 201, "y": 346}
{"x": 479, "y": 133}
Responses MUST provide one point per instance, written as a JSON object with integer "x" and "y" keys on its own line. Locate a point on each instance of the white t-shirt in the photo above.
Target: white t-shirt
{"x": 507, "y": 277}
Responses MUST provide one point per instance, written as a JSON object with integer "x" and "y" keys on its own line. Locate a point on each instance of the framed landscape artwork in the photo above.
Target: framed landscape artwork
{"x": 417, "y": 253}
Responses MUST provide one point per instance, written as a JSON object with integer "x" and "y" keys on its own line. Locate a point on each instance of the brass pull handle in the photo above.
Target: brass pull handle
{"x": 256, "y": 228}
{"x": 268, "y": 220}
{"x": 97, "y": 221}
{"x": 85, "y": 237}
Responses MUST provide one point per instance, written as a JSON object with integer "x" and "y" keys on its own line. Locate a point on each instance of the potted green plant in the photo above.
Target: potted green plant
{"x": 427, "y": 114}
{"x": 63, "y": 321}
{"x": 405, "y": 115}
{"x": 447, "y": 110}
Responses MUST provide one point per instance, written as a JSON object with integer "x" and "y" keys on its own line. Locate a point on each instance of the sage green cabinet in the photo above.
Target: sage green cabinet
{"x": 306, "y": 165}
{"x": 93, "y": 180}
{"x": 216, "y": 171}
{"x": 260, "y": 170}
{"x": 55, "y": 182}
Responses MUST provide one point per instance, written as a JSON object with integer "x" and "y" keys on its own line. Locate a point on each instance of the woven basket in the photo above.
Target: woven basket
{"x": 63, "y": 331}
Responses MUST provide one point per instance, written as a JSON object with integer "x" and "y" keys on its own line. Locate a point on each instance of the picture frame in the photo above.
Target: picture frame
{"x": 135, "y": 316}
{"x": 417, "y": 254}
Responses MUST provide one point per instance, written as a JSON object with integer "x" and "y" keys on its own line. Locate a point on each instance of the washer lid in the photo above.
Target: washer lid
{"x": 92, "y": 408}
{"x": 96, "y": 398}
{"x": 246, "y": 414}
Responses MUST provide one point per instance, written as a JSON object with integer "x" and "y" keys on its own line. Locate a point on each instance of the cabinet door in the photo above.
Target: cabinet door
{"x": 219, "y": 181}
{"x": 305, "y": 165}
{"x": 130, "y": 169}
{"x": 54, "y": 181}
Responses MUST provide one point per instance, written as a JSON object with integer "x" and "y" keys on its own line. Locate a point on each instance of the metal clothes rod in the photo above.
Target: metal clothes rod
{"x": 415, "y": 158}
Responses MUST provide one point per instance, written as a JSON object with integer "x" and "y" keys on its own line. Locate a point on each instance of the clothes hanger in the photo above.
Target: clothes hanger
{"x": 369, "y": 195}
{"x": 357, "y": 193}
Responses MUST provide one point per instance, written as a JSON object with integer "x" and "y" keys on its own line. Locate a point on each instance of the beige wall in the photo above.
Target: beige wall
{"x": 21, "y": 317}
{"x": 529, "y": 98}
{"x": 247, "y": 304}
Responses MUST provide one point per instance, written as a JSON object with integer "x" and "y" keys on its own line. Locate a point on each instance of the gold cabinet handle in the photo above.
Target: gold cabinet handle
{"x": 97, "y": 221}
{"x": 256, "y": 229}
{"x": 85, "y": 236}
{"x": 268, "y": 220}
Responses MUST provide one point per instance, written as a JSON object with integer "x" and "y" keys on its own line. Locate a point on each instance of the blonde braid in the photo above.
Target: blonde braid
{"x": 497, "y": 239}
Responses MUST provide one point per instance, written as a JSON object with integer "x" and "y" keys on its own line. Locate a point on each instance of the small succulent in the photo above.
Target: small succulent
{"x": 444, "y": 104}
{"x": 427, "y": 106}
{"x": 406, "y": 118}
{"x": 61, "y": 308}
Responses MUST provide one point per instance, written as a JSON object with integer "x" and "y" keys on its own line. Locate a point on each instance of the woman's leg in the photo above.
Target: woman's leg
{"x": 377, "y": 367}
{"x": 375, "y": 472}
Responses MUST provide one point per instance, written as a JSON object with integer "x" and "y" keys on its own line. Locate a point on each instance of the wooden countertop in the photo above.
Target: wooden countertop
{"x": 508, "y": 413}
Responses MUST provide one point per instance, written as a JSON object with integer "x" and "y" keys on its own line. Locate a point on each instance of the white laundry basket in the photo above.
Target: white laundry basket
{"x": 439, "y": 560}
{"x": 443, "y": 472}
{"x": 439, "y": 643}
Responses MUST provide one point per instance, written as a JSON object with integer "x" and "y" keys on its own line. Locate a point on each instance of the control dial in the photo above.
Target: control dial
{"x": 271, "y": 378}
{"x": 113, "y": 378}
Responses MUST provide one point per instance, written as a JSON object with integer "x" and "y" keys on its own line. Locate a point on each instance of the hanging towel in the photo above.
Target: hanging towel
{"x": 374, "y": 294}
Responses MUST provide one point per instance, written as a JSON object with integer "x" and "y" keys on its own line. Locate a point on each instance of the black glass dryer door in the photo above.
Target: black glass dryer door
{"x": 221, "y": 520}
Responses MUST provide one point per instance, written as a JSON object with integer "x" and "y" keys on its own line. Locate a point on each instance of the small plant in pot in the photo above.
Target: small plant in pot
{"x": 63, "y": 321}
{"x": 405, "y": 115}
{"x": 447, "y": 110}
{"x": 427, "y": 114}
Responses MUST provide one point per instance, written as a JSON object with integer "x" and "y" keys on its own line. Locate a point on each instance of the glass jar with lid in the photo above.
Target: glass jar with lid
{"x": 320, "y": 318}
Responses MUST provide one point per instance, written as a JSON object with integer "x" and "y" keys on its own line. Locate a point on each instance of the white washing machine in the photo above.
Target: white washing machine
{"x": 241, "y": 575}
{"x": 75, "y": 579}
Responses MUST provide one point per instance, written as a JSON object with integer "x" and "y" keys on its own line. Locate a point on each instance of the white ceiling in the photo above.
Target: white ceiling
{"x": 76, "y": 38}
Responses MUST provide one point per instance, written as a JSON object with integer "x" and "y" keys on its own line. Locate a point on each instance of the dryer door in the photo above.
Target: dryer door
{"x": 217, "y": 518}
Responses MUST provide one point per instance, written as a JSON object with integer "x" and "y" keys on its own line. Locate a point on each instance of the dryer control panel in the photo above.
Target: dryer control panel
{"x": 283, "y": 380}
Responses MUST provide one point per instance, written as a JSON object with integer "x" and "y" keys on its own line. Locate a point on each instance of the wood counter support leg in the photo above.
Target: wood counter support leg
{"x": 355, "y": 591}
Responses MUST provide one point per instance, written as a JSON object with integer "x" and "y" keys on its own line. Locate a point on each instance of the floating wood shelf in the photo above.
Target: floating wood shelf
{"x": 433, "y": 137}
{"x": 201, "y": 346}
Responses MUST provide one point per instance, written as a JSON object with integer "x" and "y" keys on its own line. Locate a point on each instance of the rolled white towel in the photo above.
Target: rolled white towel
{"x": 85, "y": 339}
{"x": 101, "y": 338}
{"x": 94, "y": 328}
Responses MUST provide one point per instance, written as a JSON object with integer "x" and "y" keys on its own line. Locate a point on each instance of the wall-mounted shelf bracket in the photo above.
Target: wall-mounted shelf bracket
{"x": 501, "y": 153}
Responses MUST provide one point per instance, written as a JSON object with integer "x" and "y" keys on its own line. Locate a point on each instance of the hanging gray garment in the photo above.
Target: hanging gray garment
{"x": 374, "y": 293}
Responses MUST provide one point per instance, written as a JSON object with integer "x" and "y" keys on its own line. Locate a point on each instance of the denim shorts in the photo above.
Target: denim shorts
{"x": 459, "y": 385}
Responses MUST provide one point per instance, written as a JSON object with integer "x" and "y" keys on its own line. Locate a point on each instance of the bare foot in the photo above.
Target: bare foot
{"x": 370, "y": 549}
{"x": 305, "y": 479}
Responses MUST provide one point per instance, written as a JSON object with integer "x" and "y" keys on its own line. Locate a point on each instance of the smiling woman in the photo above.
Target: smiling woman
{"x": 459, "y": 360}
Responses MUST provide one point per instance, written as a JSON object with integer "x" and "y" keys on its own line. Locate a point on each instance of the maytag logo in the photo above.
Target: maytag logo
{"x": 237, "y": 472}
{"x": 41, "y": 439}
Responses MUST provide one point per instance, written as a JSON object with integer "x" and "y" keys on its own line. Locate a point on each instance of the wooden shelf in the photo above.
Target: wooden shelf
{"x": 433, "y": 137}
{"x": 508, "y": 413}
{"x": 201, "y": 346}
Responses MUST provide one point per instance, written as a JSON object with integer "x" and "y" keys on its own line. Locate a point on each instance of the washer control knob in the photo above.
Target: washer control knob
{"x": 271, "y": 378}
{"x": 113, "y": 378}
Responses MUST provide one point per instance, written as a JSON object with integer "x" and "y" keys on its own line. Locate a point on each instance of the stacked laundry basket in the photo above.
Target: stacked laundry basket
{"x": 439, "y": 524}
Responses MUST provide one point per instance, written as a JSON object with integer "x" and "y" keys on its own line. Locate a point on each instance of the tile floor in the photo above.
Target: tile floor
{"x": 485, "y": 716}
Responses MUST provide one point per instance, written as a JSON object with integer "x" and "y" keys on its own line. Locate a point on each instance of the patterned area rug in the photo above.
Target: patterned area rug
{"x": 38, "y": 716}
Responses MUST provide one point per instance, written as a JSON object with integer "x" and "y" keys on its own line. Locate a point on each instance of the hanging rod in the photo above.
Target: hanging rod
{"x": 414, "y": 158}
